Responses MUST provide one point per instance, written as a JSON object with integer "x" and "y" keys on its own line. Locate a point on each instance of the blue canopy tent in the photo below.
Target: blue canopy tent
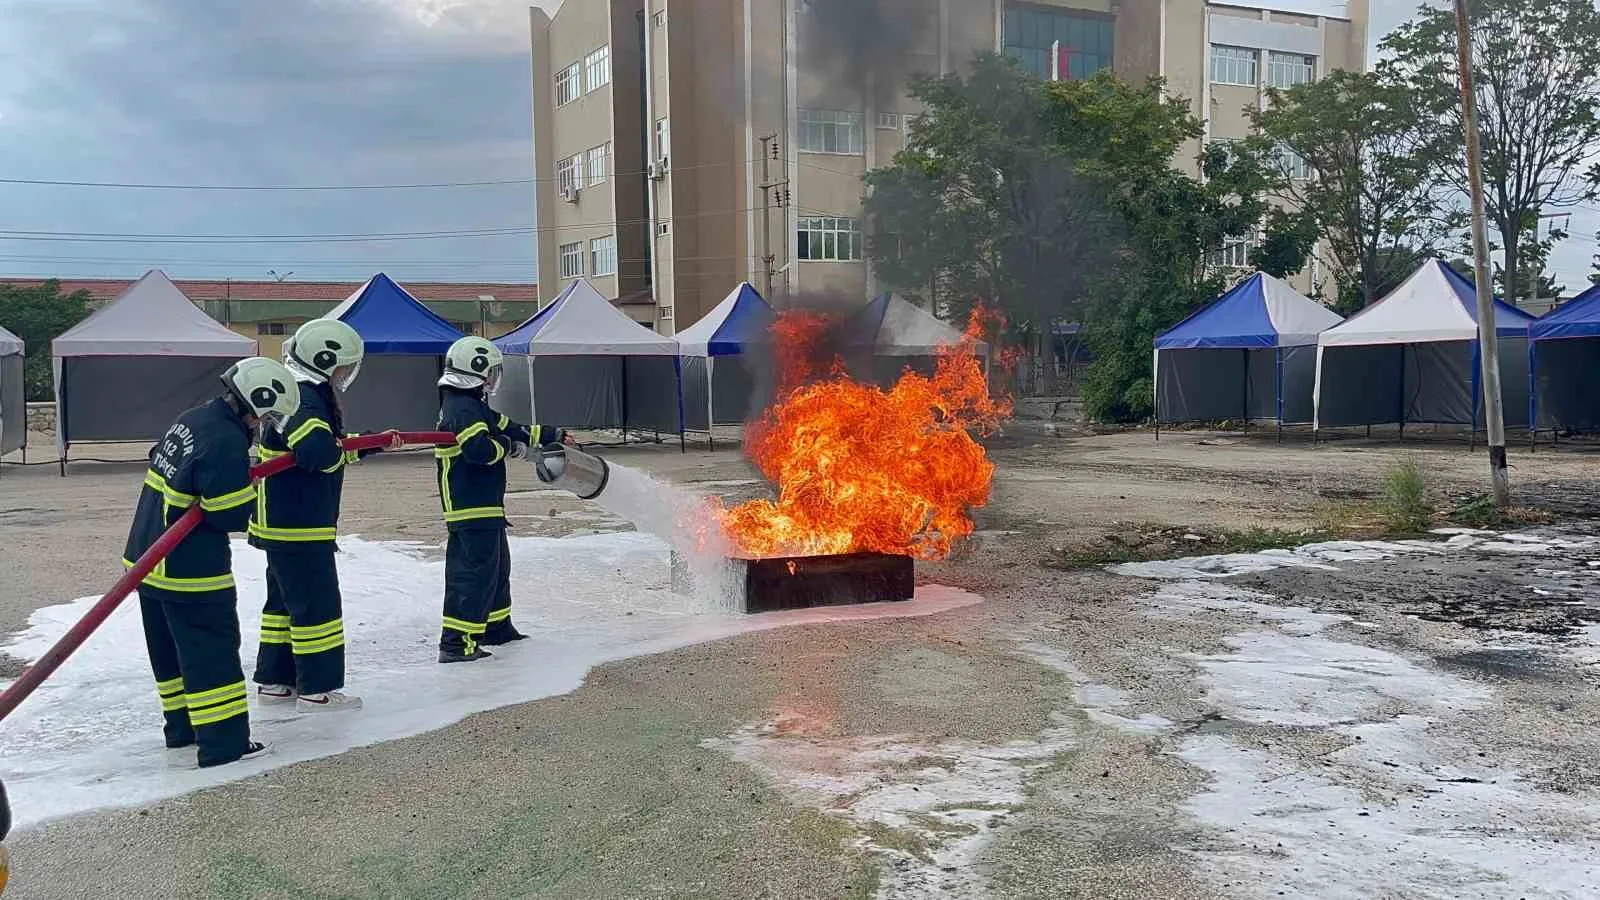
{"x": 582, "y": 363}
{"x": 405, "y": 346}
{"x": 1563, "y": 348}
{"x": 726, "y": 365}
{"x": 1249, "y": 356}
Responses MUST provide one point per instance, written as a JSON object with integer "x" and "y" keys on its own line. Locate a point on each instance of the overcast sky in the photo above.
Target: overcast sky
{"x": 293, "y": 92}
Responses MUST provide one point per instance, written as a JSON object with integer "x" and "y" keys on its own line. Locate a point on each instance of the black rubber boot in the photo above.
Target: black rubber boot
{"x": 250, "y": 749}
{"x": 454, "y": 656}
{"x": 497, "y": 640}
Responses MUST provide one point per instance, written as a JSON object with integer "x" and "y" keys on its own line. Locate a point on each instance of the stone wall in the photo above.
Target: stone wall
{"x": 42, "y": 418}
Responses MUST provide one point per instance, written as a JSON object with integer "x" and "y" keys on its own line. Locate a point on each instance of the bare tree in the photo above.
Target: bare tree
{"x": 1537, "y": 72}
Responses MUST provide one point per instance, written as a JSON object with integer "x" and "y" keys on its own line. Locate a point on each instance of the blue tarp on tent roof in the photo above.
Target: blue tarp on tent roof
{"x": 743, "y": 318}
{"x": 1260, "y": 312}
{"x": 390, "y": 320}
{"x": 1577, "y": 318}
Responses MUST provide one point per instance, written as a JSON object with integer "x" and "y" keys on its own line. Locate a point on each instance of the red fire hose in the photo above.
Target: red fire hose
{"x": 34, "y": 675}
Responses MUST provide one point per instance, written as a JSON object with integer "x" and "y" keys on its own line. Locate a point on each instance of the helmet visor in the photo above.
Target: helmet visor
{"x": 273, "y": 419}
{"x": 344, "y": 376}
{"x": 491, "y": 382}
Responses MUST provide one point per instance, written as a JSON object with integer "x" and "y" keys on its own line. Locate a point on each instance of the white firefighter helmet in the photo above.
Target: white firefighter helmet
{"x": 473, "y": 362}
{"x": 325, "y": 350}
{"x": 265, "y": 388}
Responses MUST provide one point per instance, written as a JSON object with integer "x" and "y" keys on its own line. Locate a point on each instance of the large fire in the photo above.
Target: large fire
{"x": 859, "y": 468}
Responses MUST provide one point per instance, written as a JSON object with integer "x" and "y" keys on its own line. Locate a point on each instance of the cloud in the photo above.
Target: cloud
{"x": 287, "y": 92}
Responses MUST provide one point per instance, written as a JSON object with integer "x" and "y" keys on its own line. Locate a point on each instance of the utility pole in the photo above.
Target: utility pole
{"x": 1488, "y": 342}
{"x": 769, "y": 152}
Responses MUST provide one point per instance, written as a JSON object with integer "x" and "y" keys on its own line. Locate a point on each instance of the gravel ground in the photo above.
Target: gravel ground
{"x": 1044, "y": 726}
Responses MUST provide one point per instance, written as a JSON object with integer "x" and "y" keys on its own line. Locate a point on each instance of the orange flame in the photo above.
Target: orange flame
{"x": 859, "y": 468}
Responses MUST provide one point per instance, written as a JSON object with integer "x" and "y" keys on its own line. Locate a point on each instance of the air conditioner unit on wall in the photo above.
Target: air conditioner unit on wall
{"x": 569, "y": 194}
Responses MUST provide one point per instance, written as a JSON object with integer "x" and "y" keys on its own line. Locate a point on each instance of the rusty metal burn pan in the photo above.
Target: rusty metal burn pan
{"x": 801, "y": 582}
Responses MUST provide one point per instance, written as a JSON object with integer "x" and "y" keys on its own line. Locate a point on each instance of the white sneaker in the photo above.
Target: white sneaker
{"x": 275, "y": 693}
{"x": 332, "y": 701}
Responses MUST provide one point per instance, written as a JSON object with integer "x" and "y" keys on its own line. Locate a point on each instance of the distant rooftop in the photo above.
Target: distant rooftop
{"x": 327, "y": 291}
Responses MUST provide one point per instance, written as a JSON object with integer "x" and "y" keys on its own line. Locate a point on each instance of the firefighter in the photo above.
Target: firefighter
{"x": 472, "y": 489}
{"x": 301, "y": 658}
{"x": 189, "y": 605}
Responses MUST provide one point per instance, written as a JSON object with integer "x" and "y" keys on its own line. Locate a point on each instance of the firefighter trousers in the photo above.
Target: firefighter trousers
{"x": 477, "y": 589}
{"x": 193, "y": 641}
{"x": 302, "y": 624}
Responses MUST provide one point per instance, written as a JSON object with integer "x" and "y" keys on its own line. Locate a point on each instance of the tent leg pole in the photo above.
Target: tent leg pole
{"x": 1280, "y": 431}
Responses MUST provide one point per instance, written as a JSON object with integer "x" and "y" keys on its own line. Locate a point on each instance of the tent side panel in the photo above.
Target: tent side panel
{"x": 394, "y": 391}
{"x": 1513, "y": 382}
{"x": 652, "y": 396}
{"x": 1567, "y": 398}
{"x": 13, "y": 404}
{"x": 738, "y": 395}
{"x": 1361, "y": 385}
{"x": 1299, "y": 379}
{"x": 1201, "y": 385}
{"x": 1261, "y": 402}
{"x": 578, "y": 391}
{"x": 696, "y": 392}
{"x": 514, "y": 397}
{"x": 1439, "y": 380}
{"x": 133, "y": 398}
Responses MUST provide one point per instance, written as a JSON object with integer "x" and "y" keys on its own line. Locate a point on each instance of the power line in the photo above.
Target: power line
{"x": 93, "y": 237}
{"x": 269, "y": 188}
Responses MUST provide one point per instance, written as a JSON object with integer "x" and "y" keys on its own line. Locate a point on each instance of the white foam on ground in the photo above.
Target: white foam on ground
{"x": 90, "y": 737}
{"x": 947, "y": 799}
{"x": 1102, "y": 703}
{"x": 1324, "y": 555}
{"x": 1400, "y": 809}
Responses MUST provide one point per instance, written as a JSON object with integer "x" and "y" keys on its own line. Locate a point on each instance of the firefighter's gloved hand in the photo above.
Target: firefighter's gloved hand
{"x": 396, "y": 442}
{"x": 517, "y": 450}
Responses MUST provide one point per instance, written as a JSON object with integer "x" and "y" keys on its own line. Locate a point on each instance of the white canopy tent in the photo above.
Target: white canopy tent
{"x": 582, "y": 363}
{"x": 892, "y": 334}
{"x": 1412, "y": 357}
{"x": 13, "y": 395}
{"x": 128, "y": 370}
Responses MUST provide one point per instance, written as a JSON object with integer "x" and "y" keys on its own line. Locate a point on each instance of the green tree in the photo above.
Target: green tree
{"x": 37, "y": 314}
{"x": 983, "y": 203}
{"x": 1059, "y": 200}
{"x": 1537, "y": 70}
{"x": 1373, "y": 197}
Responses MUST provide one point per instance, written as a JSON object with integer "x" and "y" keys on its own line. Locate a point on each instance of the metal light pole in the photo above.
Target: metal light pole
{"x": 1488, "y": 344}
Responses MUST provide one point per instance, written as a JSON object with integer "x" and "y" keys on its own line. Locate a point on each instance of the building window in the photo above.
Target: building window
{"x": 572, "y": 259}
{"x": 569, "y": 174}
{"x": 1233, "y": 65}
{"x": 603, "y": 256}
{"x": 274, "y": 329}
{"x": 664, "y": 228}
{"x": 666, "y": 313}
{"x": 599, "y": 162}
{"x": 830, "y": 239}
{"x": 1285, "y": 70}
{"x": 597, "y": 69}
{"x": 568, "y": 85}
{"x": 1081, "y": 42}
{"x": 1235, "y": 254}
{"x": 663, "y": 138}
{"x": 890, "y": 121}
{"x": 1290, "y": 163}
{"x": 832, "y": 131}
{"x": 660, "y": 18}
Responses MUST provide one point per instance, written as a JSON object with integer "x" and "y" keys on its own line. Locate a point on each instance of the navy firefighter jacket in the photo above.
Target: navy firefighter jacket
{"x": 472, "y": 471}
{"x": 203, "y": 459}
{"x": 298, "y": 508}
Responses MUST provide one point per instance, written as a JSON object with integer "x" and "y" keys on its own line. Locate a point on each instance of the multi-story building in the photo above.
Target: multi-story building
{"x": 686, "y": 145}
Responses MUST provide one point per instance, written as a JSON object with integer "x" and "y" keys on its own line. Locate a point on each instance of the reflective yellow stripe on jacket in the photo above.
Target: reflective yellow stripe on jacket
{"x": 447, "y": 457}
{"x": 160, "y": 579}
